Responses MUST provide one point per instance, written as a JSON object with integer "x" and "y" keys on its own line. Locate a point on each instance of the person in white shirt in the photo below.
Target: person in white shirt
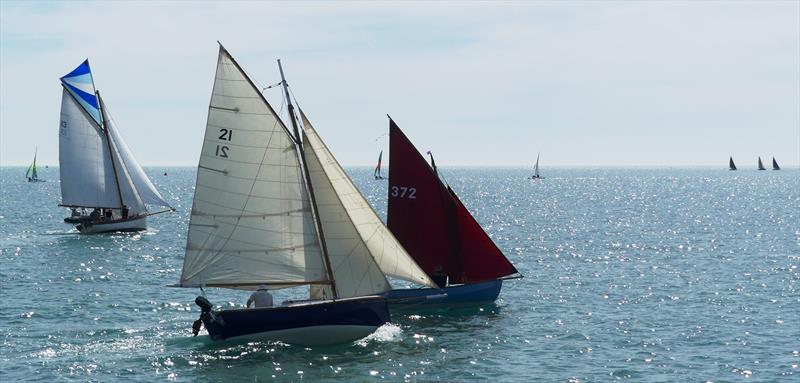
{"x": 261, "y": 298}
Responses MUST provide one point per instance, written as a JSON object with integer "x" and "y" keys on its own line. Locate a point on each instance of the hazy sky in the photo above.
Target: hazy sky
{"x": 587, "y": 83}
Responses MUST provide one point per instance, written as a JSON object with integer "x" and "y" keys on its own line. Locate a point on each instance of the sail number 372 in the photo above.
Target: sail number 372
{"x": 222, "y": 150}
{"x": 404, "y": 192}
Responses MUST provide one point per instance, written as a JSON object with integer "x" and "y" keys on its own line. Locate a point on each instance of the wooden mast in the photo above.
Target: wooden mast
{"x": 317, "y": 220}
{"x": 110, "y": 149}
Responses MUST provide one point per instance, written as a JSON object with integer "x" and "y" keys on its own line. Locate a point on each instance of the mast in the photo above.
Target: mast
{"x": 110, "y": 149}
{"x": 318, "y": 222}
{"x": 455, "y": 260}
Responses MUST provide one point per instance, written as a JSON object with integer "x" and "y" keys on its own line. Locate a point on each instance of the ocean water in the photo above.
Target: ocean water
{"x": 645, "y": 275}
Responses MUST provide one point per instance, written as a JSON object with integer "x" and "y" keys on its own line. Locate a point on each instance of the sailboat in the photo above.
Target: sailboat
{"x": 731, "y": 165}
{"x": 438, "y": 231}
{"x": 98, "y": 170}
{"x": 273, "y": 209}
{"x": 31, "y": 173}
{"x": 536, "y": 175}
{"x": 760, "y": 164}
{"x": 775, "y": 164}
{"x": 377, "y": 172}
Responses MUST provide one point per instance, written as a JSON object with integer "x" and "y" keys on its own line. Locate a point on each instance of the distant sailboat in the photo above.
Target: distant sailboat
{"x": 31, "y": 173}
{"x": 438, "y": 231}
{"x": 775, "y": 164}
{"x": 760, "y": 164}
{"x": 536, "y": 175}
{"x": 731, "y": 165}
{"x": 98, "y": 170}
{"x": 377, "y": 172}
{"x": 273, "y": 209}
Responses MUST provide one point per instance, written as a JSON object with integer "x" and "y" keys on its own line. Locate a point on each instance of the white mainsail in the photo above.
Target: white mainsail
{"x": 356, "y": 237}
{"x": 251, "y": 221}
{"x": 87, "y": 172}
{"x": 536, "y": 167}
{"x": 145, "y": 190}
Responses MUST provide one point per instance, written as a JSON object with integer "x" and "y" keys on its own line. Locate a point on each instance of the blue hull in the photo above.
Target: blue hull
{"x": 462, "y": 295}
{"x": 310, "y": 323}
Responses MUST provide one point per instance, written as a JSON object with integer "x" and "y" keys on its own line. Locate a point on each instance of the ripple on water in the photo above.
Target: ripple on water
{"x": 664, "y": 275}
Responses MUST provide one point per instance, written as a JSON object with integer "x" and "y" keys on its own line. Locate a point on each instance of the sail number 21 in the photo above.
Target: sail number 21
{"x": 225, "y": 135}
{"x": 404, "y": 192}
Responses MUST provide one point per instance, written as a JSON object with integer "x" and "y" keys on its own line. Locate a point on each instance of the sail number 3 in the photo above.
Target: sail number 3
{"x": 222, "y": 150}
{"x": 404, "y": 192}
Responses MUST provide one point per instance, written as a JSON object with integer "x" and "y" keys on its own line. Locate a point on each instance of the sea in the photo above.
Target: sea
{"x": 640, "y": 275}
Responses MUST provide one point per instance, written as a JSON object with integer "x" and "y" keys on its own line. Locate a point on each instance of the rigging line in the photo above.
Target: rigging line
{"x": 271, "y": 86}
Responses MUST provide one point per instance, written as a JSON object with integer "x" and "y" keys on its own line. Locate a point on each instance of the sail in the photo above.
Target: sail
{"x": 251, "y": 221}
{"x": 31, "y": 172}
{"x": 130, "y": 196}
{"x": 417, "y": 208}
{"x": 536, "y": 167}
{"x": 86, "y": 169}
{"x": 147, "y": 193}
{"x": 377, "y": 172}
{"x": 760, "y": 164}
{"x": 34, "y": 174}
{"x": 731, "y": 165}
{"x": 774, "y": 164}
{"x": 80, "y": 84}
{"x": 481, "y": 260}
{"x": 360, "y": 247}
{"x": 432, "y": 223}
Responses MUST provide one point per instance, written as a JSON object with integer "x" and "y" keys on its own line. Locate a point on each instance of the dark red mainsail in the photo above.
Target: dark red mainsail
{"x": 416, "y": 212}
{"x": 431, "y": 222}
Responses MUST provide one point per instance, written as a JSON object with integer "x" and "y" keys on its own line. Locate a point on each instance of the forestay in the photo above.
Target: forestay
{"x": 251, "y": 221}
{"x": 128, "y": 192}
{"x": 360, "y": 247}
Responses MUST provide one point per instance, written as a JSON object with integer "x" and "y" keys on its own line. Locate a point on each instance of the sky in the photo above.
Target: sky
{"x": 667, "y": 83}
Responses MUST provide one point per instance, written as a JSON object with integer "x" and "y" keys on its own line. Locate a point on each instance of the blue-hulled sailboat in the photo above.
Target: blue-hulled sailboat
{"x": 438, "y": 231}
{"x": 274, "y": 208}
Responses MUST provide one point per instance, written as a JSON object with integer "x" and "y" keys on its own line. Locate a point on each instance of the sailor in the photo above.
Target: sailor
{"x": 124, "y": 211}
{"x": 439, "y": 277}
{"x": 108, "y": 215}
{"x": 95, "y": 215}
{"x": 261, "y": 297}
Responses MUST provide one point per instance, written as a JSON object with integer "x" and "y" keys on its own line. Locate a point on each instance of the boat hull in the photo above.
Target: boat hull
{"x": 309, "y": 323}
{"x": 461, "y": 295}
{"x": 126, "y": 225}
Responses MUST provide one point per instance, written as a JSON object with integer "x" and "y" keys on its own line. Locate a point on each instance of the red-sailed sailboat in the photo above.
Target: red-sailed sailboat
{"x": 430, "y": 221}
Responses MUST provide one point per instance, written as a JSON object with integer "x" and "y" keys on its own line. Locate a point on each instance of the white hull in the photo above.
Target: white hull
{"x": 135, "y": 224}
{"x": 312, "y": 336}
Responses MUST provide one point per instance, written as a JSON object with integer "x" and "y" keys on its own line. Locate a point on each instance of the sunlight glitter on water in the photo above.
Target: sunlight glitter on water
{"x": 671, "y": 275}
